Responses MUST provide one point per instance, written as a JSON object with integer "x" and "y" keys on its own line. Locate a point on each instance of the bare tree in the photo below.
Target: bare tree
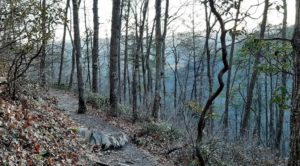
{"x": 61, "y": 66}
{"x": 202, "y": 120}
{"x": 81, "y": 102}
{"x": 158, "y": 74}
{"x": 279, "y": 126}
{"x": 44, "y": 44}
{"x": 294, "y": 159}
{"x": 95, "y": 51}
{"x": 248, "y": 104}
{"x": 233, "y": 38}
{"x": 138, "y": 52}
{"x": 113, "y": 62}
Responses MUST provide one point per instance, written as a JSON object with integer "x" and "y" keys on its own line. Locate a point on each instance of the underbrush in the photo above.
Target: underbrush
{"x": 61, "y": 87}
{"x": 97, "y": 101}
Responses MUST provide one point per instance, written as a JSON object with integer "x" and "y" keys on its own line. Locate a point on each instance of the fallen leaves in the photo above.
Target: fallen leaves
{"x": 32, "y": 133}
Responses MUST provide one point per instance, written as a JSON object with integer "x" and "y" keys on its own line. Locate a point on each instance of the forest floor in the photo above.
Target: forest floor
{"x": 128, "y": 155}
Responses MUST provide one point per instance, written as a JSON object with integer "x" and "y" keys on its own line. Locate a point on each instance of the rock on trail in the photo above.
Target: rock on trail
{"x": 129, "y": 155}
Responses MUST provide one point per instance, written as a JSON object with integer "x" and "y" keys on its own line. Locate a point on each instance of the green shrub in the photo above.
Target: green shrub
{"x": 61, "y": 87}
{"x": 162, "y": 130}
{"x": 97, "y": 101}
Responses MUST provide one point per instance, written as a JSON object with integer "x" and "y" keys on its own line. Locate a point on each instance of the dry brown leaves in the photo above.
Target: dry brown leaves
{"x": 38, "y": 135}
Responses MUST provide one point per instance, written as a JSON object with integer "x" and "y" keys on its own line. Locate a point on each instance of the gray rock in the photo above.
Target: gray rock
{"x": 106, "y": 140}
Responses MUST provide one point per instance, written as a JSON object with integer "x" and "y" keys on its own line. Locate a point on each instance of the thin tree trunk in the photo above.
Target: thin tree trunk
{"x": 149, "y": 71}
{"x": 271, "y": 124}
{"x": 126, "y": 50}
{"x": 136, "y": 61}
{"x": 61, "y": 66}
{"x": 266, "y": 110}
{"x": 202, "y": 120}
{"x": 279, "y": 127}
{"x": 246, "y": 116}
{"x": 95, "y": 50}
{"x": 81, "y": 102}
{"x": 72, "y": 68}
{"x": 119, "y": 54}
{"x": 228, "y": 96}
{"x": 44, "y": 44}
{"x": 87, "y": 38}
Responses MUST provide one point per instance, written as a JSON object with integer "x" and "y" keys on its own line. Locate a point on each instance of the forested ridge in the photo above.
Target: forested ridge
{"x": 149, "y": 82}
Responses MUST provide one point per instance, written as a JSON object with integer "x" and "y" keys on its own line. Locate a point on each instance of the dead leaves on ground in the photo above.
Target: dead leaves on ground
{"x": 38, "y": 136}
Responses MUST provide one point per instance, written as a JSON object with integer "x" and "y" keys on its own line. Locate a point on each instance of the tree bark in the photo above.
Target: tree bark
{"x": 228, "y": 97}
{"x": 113, "y": 61}
{"x": 136, "y": 61}
{"x": 158, "y": 72}
{"x": 126, "y": 50}
{"x": 279, "y": 126}
{"x": 61, "y": 66}
{"x": 294, "y": 159}
{"x": 95, "y": 50}
{"x": 246, "y": 116}
{"x": 202, "y": 120}
{"x": 81, "y": 102}
{"x": 44, "y": 44}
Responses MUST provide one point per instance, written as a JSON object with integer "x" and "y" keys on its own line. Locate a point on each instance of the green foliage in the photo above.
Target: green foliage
{"x": 61, "y": 87}
{"x": 162, "y": 131}
{"x": 281, "y": 97}
{"x": 195, "y": 107}
{"x": 124, "y": 109}
{"x": 97, "y": 100}
{"x": 272, "y": 54}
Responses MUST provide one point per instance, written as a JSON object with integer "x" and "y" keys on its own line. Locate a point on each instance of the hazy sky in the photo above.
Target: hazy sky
{"x": 184, "y": 21}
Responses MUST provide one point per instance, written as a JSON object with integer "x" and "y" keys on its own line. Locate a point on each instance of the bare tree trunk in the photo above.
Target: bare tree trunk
{"x": 266, "y": 110}
{"x": 228, "y": 97}
{"x": 149, "y": 71}
{"x": 81, "y": 102}
{"x": 271, "y": 124}
{"x": 246, "y": 117}
{"x": 126, "y": 49}
{"x": 194, "y": 89}
{"x": 61, "y": 66}
{"x": 158, "y": 73}
{"x": 52, "y": 60}
{"x": 279, "y": 126}
{"x": 294, "y": 159}
{"x": 136, "y": 61}
{"x": 202, "y": 120}
{"x": 87, "y": 39}
{"x": 72, "y": 68}
{"x": 119, "y": 55}
{"x": 44, "y": 44}
{"x": 163, "y": 50}
{"x": 95, "y": 51}
{"x": 176, "y": 57}
{"x": 208, "y": 60}
{"x": 114, "y": 51}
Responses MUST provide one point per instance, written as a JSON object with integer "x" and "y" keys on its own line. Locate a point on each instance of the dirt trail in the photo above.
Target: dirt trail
{"x": 129, "y": 155}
